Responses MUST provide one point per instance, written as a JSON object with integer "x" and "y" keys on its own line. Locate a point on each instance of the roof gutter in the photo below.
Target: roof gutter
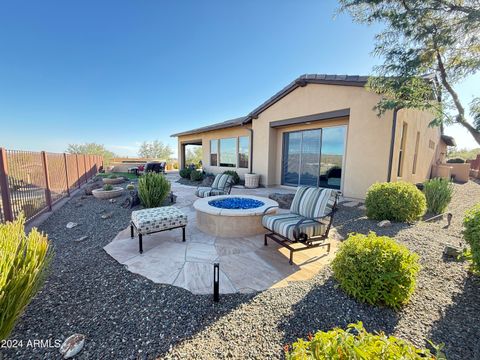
{"x": 392, "y": 144}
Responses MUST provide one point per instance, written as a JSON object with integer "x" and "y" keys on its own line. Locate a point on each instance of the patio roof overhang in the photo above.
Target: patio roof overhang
{"x": 450, "y": 141}
{"x": 329, "y": 115}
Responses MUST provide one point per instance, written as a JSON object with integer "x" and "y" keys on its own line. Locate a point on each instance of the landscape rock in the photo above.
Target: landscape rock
{"x": 384, "y": 223}
{"x": 72, "y": 345}
{"x": 71, "y": 225}
{"x": 80, "y": 239}
{"x": 452, "y": 251}
{"x": 107, "y": 216}
{"x": 284, "y": 200}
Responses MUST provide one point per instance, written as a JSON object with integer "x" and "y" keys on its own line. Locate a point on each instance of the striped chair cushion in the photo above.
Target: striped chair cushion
{"x": 313, "y": 202}
{"x": 222, "y": 181}
{"x": 284, "y": 224}
{"x": 208, "y": 191}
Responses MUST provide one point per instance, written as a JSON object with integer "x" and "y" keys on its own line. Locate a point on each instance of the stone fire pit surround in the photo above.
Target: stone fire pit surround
{"x": 232, "y": 222}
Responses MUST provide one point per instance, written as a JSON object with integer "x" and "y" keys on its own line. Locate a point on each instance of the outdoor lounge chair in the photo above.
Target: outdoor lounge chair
{"x": 308, "y": 222}
{"x": 222, "y": 185}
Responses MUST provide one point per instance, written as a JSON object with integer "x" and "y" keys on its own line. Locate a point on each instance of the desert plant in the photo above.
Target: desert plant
{"x": 456, "y": 161}
{"x": 24, "y": 260}
{"x": 130, "y": 187}
{"x": 376, "y": 269}
{"x": 196, "y": 175}
{"x": 396, "y": 201}
{"x": 234, "y": 175}
{"x": 438, "y": 193}
{"x": 471, "y": 234}
{"x": 153, "y": 188}
{"x": 356, "y": 343}
{"x": 112, "y": 176}
{"x": 107, "y": 187}
{"x": 185, "y": 173}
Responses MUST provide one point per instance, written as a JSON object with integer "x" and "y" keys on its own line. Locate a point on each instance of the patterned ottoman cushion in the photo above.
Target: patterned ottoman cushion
{"x": 157, "y": 219}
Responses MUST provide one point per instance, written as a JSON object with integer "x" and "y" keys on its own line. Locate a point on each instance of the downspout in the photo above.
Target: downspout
{"x": 392, "y": 144}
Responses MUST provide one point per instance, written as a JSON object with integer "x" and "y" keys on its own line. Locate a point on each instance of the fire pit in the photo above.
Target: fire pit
{"x": 232, "y": 215}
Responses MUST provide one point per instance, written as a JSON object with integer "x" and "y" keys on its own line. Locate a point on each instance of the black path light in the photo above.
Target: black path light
{"x": 216, "y": 282}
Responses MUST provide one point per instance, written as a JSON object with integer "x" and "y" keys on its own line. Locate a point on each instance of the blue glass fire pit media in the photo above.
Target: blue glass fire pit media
{"x": 236, "y": 203}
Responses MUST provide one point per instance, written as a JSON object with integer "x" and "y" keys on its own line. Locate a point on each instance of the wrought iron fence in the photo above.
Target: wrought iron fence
{"x": 32, "y": 182}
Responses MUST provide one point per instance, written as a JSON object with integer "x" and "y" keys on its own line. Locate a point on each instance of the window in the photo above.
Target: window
{"x": 243, "y": 151}
{"x": 415, "y": 156}
{"x": 213, "y": 152}
{"x": 228, "y": 152}
{"x": 401, "y": 153}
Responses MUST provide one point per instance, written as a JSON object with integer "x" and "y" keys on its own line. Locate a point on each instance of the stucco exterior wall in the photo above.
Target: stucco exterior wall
{"x": 430, "y": 147}
{"x": 205, "y": 138}
{"x": 368, "y": 136}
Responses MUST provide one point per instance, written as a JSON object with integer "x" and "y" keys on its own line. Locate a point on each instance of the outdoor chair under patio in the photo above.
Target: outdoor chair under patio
{"x": 222, "y": 185}
{"x": 308, "y": 222}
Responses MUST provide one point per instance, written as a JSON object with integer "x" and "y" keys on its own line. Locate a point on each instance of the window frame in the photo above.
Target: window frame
{"x": 401, "y": 150}
{"x": 215, "y": 153}
{"x": 239, "y": 153}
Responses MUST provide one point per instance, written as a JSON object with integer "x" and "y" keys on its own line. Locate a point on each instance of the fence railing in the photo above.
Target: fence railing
{"x": 32, "y": 182}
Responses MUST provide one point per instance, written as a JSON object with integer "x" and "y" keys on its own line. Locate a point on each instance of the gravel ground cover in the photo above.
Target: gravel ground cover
{"x": 125, "y": 316}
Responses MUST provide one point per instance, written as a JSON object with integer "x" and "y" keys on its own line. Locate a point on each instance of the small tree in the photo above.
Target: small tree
{"x": 155, "y": 150}
{"x": 194, "y": 155}
{"x": 428, "y": 46}
{"x": 93, "y": 149}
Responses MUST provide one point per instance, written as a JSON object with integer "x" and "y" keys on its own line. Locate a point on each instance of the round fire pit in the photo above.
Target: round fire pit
{"x": 232, "y": 215}
{"x": 107, "y": 194}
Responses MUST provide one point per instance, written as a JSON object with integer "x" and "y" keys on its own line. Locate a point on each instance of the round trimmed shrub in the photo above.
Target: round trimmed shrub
{"x": 107, "y": 187}
{"x": 356, "y": 343}
{"x": 185, "y": 173}
{"x": 196, "y": 175}
{"x": 234, "y": 175}
{"x": 456, "y": 160}
{"x": 376, "y": 270}
{"x": 395, "y": 201}
{"x": 130, "y": 187}
{"x": 153, "y": 189}
{"x": 471, "y": 233}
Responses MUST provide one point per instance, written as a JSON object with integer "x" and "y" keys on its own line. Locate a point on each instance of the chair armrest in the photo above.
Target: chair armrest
{"x": 270, "y": 207}
{"x": 296, "y": 231}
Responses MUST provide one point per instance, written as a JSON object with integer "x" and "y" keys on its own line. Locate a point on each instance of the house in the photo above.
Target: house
{"x": 322, "y": 130}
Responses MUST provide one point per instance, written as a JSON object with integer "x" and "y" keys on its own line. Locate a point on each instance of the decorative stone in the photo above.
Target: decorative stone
{"x": 452, "y": 251}
{"x": 284, "y": 200}
{"x": 72, "y": 345}
{"x": 107, "y": 216}
{"x": 112, "y": 201}
{"x": 71, "y": 225}
{"x": 80, "y": 239}
{"x": 384, "y": 223}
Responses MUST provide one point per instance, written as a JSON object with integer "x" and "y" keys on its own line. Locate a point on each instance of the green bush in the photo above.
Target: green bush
{"x": 438, "y": 193}
{"x": 456, "y": 161}
{"x": 396, "y": 201}
{"x": 185, "y": 173}
{"x": 471, "y": 233}
{"x": 376, "y": 269}
{"x": 234, "y": 175}
{"x": 130, "y": 187}
{"x": 196, "y": 175}
{"x": 107, "y": 187}
{"x": 24, "y": 260}
{"x": 356, "y": 343}
{"x": 112, "y": 176}
{"x": 153, "y": 188}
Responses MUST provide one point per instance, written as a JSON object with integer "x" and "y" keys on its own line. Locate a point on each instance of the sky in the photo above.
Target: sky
{"x": 120, "y": 72}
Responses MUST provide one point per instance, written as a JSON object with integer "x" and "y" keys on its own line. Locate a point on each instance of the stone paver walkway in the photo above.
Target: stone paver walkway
{"x": 246, "y": 265}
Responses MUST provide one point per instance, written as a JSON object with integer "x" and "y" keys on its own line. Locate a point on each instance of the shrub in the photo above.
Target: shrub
{"x": 396, "y": 201}
{"x": 130, "y": 187}
{"x": 107, "y": 187}
{"x": 356, "y": 343}
{"x": 471, "y": 233}
{"x": 457, "y": 160}
{"x": 24, "y": 260}
{"x": 153, "y": 188}
{"x": 196, "y": 175}
{"x": 233, "y": 173}
{"x": 185, "y": 173}
{"x": 112, "y": 176}
{"x": 438, "y": 193}
{"x": 376, "y": 269}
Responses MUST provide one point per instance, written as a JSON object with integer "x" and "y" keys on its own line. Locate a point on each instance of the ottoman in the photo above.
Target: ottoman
{"x": 154, "y": 220}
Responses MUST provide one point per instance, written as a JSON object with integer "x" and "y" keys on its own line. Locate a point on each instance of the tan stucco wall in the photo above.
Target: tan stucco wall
{"x": 205, "y": 138}
{"x": 368, "y": 136}
{"x": 417, "y": 121}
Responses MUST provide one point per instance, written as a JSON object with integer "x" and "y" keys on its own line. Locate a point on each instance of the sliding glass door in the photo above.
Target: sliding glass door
{"x": 314, "y": 157}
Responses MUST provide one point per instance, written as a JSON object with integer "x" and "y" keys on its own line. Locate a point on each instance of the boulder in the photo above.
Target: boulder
{"x": 284, "y": 200}
{"x": 72, "y": 345}
{"x": 71, "y": 225}
{"x": 384, "y": 223}
{"x": 452, "y": 251}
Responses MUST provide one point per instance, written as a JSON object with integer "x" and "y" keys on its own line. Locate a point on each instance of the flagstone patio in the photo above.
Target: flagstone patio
{"x": 246, "y": 265}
